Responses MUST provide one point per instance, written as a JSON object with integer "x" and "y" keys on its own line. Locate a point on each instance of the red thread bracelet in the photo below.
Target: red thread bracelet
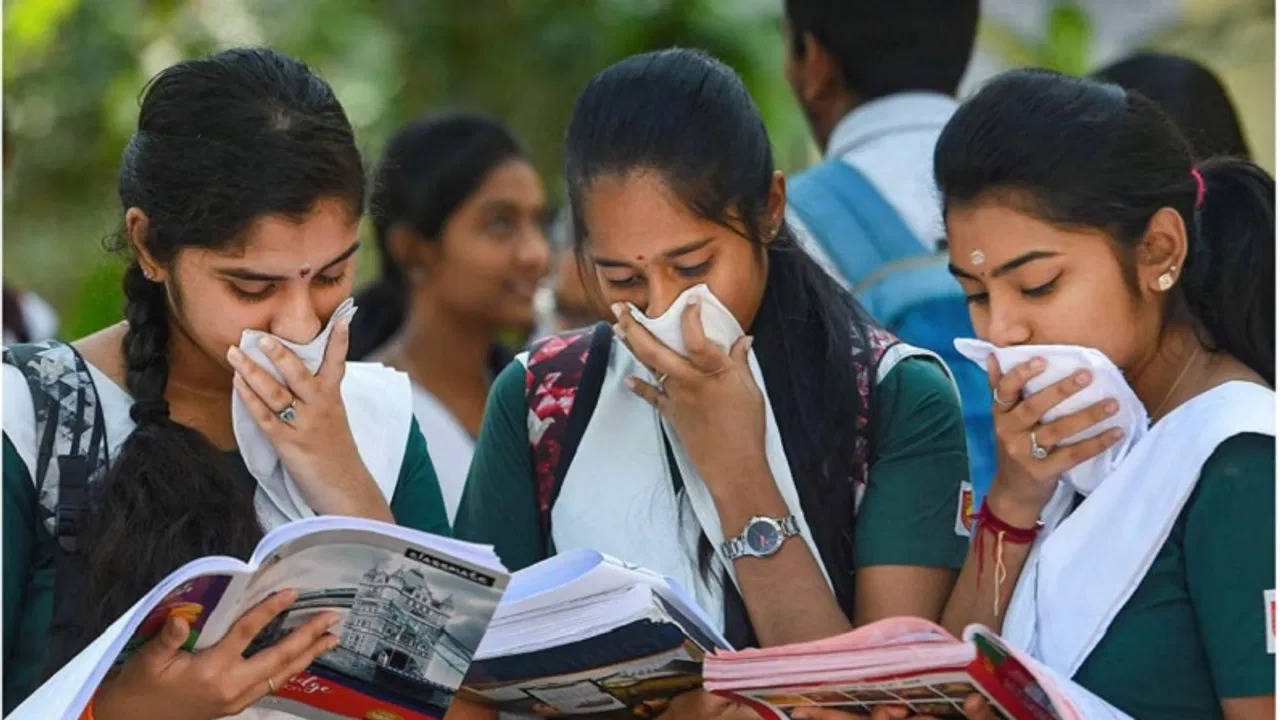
{"x": 987, "y": 520}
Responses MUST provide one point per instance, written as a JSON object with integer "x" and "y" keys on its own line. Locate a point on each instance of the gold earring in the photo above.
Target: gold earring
{"x": 1165, "y": 281}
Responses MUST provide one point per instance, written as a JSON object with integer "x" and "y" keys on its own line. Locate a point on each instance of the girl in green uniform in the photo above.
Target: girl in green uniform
{"x": 840, "y": 450}
{"x": 242, "y": 190}
{"x": 1076, "y": 215}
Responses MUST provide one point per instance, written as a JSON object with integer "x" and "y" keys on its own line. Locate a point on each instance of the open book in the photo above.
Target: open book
{"x": 901, "y": 661}
{"x": 414, "y": 607}
{"x": 586, "y": 635}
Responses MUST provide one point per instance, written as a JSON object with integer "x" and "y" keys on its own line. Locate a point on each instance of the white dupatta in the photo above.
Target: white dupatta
{"x": 1086, "y": 564}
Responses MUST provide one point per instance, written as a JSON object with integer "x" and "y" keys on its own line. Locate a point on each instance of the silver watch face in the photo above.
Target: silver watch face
{"x": 763, "y": 536}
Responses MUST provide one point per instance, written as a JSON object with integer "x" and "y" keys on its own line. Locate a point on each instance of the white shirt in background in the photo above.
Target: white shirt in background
{"x": 448, "y": 443}
{"x": 890, "y": 140}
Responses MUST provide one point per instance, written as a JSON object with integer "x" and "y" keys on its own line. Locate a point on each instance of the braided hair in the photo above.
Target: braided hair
{"x": 221, "y": 141}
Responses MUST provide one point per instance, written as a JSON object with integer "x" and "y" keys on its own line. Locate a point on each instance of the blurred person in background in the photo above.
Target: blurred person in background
{"x": 877, "y": 82}
{"x": 458, "y": 212}
{"x": 1190, "y": 94}
{"x": 27, "y": 317}
{"x": 563, "y": 301}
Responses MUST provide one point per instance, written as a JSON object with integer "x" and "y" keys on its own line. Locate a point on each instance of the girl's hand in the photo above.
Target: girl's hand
{"x": 975, "y": 708}
{"x": 710, "y": 398}
{"x": 162, "y": 680}
{"x": 703, "y": 705}
{"x": 316, "y": 445}
{"x": 1023, "y": 482}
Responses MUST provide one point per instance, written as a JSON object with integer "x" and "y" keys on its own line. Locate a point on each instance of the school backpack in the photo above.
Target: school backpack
{"x": 904, "y": 286}
{"x": 71, "y": 461}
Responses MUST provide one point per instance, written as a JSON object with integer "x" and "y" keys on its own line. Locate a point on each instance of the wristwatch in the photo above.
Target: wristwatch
{"x": 762, "y": 537}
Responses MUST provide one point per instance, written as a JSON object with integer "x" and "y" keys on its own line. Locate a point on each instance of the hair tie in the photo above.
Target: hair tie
{"x": 144, "y": 412}
{"x": 1200, "y": 188}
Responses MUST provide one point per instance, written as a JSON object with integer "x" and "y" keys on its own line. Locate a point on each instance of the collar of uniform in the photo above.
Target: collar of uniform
{"x": 887, "y": 115}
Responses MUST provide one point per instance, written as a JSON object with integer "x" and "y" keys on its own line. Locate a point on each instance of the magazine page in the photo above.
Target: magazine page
{"x": 193, "y": 591}
{"x": 630, "y": 672}
{"x": 1044, "y": 688}
{"x": 938, "y": 694}
{"x": 412, "y": 617}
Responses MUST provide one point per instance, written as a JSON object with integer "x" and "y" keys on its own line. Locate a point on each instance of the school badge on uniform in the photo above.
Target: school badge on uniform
{"x": 965, "y": 510}
{"x": 1269, "y": 614}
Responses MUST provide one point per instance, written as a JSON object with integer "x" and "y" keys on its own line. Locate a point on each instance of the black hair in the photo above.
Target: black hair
{"x": 1190, "y": 94}
{"x": 221, "y": 141}
{"x": 1077, "y": 152}
{"x": 889, "y": 47}
{"x": 15, "y": 322}
{"x": 429, "y": 168}
{"x": 688, "y": 118}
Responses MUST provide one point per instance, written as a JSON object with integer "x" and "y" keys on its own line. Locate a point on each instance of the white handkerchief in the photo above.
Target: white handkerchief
{"x": 278, "y": 489}
{"x": 1108, "y": 382}
{"x": 719, "y": 325}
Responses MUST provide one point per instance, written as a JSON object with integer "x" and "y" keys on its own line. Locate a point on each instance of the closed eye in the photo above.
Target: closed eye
{"x": 626, "y": 282}
{"x": 976, "y": 298}
{"x": 1041, "y": 290}
{"x": 695, "y": 270}
{"x": 323, "y": 279}
{"x": 252, "y": 295}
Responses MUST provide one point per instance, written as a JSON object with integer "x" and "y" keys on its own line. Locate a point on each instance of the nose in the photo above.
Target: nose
{"x": 297, "y": 320}
{"x": 1006, "y": 326}
{"x": 533, "y": 252}
{"x": 663, "y": 291}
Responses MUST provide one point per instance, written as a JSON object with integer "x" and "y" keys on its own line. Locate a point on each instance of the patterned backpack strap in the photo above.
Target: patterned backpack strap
{"x": 871, "y": 342}
{"x": 563, "y": 376}
{"x": 71, "y": 454}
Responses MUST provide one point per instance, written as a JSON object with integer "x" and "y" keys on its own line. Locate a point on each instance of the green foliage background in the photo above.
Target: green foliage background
{"x": 73, "y": 70}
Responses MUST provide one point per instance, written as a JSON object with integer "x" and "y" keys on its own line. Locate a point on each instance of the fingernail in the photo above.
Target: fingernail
{"x": 693, "y": 300}
{"x": 617, "y": 308}
{"x": 617, "y": 330}
{"x": 1083, "y": 377}
{"x": 630, "y": 382}
{"x": 750, "y": 339}
{"x": 1115, "y": 436}
{"x": 1037, "y": 363}
{"x": 333, "y": 621}
{"x": 234, "y": 354}
{"x": 1111, "y": 407}
{"x": 266, "y": 342}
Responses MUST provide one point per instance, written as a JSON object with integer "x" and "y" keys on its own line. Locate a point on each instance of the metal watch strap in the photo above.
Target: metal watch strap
{"x": 736, "y": 547}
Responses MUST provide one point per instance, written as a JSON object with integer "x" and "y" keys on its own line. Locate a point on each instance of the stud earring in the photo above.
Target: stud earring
{"x": 1165, "y": 281}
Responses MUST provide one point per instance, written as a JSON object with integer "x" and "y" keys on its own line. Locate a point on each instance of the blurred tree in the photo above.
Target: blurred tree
{"x": 73, "y": 70}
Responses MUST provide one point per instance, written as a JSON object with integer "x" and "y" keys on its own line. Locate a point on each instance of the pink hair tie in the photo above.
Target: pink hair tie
{"x": 1195, "y": 173}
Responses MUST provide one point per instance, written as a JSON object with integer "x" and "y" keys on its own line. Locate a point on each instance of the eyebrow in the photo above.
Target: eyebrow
{"x": 246, "y": 274}
{"x": 670, "y": 254}
{"x": 1008, "y": 267}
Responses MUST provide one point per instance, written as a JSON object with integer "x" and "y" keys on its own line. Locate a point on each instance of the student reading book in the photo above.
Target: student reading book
{"x": 158, "y": 440}
{"x": 905, "y": 663}
{"x": 586, "y": 635}
{"x": 1077, "y": 215}
{"x": 813, "y": 452}
{"x": 404, "y": 610}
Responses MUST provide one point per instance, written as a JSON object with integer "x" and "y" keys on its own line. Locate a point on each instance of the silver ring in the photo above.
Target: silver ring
{"x": 995, "y": 395}
{"x": 271, "y": 684}
{"x": 660, "y": 383}
{"x": 289, "y": 413}
{"x": 1038, "y": 451}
